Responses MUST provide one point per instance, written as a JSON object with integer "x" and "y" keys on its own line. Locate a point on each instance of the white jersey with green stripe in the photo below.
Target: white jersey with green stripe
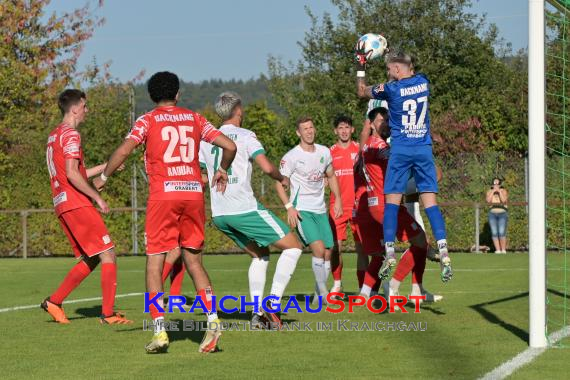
{"x": 306, "y": 171}
{"x": 238, "y": 197}
{"x": 375, "y": 103}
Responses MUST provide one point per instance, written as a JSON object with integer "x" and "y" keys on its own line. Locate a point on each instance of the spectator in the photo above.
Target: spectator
{"x": 497, "y": 198}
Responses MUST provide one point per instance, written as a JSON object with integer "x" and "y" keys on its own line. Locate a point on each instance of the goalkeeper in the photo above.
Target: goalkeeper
{"x": 407, "y": 95}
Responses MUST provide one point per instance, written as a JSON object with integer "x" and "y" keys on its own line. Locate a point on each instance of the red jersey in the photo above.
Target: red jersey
{"x": 375, "y": 163}
{"x": 343, "y": 160}
{"x": 172, "y": 138}
{"x": 64, "y": 143}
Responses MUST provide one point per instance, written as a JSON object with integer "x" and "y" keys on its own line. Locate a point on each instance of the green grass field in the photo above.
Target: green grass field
{"x": 482, "y": 322}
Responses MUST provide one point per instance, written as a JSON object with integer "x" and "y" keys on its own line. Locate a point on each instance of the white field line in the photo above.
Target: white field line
{"x": 509, "y": 367}
{"x": 8, "y": 309}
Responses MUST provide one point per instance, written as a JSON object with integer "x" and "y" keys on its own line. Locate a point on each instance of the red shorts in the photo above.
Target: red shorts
{"x": 174, "y": 223}
{"x": 86, "y": 231}
{"x": 338, "y": 226}
{"x": 407, "y": 226}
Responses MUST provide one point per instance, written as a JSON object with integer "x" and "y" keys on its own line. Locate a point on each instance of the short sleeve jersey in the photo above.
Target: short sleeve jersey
{"x": 64, "y": 143}
{"x": 375, "y": 164}
{"x": 409, "y": 110}
{"x": 172, "y": 136}
{"x": 343, "y": 160}
{"x": 238, "y": 197}
{"x": 306, "y": 171}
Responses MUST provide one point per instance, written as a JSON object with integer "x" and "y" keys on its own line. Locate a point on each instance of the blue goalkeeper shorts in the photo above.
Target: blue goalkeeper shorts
{"x": 404, "y": 159}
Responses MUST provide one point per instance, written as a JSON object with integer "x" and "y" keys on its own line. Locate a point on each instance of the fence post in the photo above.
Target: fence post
{"x": 24, "y": 234}
{"x": 477, "y": 216}
{"x": 135, "y": 213}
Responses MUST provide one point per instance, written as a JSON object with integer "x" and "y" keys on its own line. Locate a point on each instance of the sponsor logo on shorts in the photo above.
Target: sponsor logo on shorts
{"x": 190, "y": 186}
{"x": 106, "y": 239}
{"x": 372, "y": 201}
{"x": 60, "y": 198}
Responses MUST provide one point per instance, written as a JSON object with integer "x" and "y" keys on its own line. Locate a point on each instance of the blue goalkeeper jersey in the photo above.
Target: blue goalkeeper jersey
{"x": 409, "y": 110}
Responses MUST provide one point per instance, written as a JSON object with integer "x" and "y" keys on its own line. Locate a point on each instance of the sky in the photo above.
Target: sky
{"x": 227, "y": 39}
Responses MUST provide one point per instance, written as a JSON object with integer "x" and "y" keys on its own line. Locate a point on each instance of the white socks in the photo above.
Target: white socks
{"x": 158, "y": 325}
{"x": 416, "y": 289}
{"x": 283, "y": 272}
{"x": 320, "y": 272}
{"x": 395, "y": 285}
{"x": 256, "y": 275}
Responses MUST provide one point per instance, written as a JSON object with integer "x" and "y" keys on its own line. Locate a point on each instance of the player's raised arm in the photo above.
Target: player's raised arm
{"x": 335, "y": 188}
{"x": 365, "y": 133}
{"x": 115, "y": 162}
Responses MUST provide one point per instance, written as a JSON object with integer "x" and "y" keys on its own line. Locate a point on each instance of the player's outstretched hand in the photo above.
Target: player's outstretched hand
{"x": 220, "y": 180}
{"x": 361, "y": 55}
{"x": 293, "y": 217}
{"x": 103, "y": 206}
{"x": 98, "y": 183}
{"x": 286, "y": 183}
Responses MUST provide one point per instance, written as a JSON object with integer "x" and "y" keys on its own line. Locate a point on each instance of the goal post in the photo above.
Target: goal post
{"x": 537, "y": 174}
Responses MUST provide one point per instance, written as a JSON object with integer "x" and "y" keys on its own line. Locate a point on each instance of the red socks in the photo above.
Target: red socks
{"x": 108, "y": 287}
{"x": 206, "y": 295}
{"x": 154, "y": 313}
{"x": 74, "y": 277}
{"x": 166, "y": 268}
{"x": 337, "y": 271}
{"x": 404, "y": 266}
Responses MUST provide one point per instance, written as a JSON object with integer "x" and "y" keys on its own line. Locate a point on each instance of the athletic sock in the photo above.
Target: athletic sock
{"x": 176, "y": 278}
{"x": 206, "y": 295}
{"x": 166, "y": 269}
{"x": 154, "y": 313}
{"x": 437, "y": 223}
{"x": 256, "y": 275}
{"x": 108, "y": 287}
{"x": 318, "y": 265}
{"x": 158, "y": 325}
{"x": 405, "y": 266}
{"x": 285, "y": 268}
{"x": 71, "y": 281}
{"x": 395, "y": 285}
{"x": 390, "y": 223}
{"x": 337, "y": 274}
{"x": 327, "y": 269}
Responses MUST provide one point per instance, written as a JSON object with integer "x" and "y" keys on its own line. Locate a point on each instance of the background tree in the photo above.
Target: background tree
{"x": 471, "y": 82}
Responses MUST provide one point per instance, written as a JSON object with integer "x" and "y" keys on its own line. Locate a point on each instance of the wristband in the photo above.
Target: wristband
{"x": 222, "y": 170}
{"x": 103, "y": 177}
{"x": 360, "y": 74}
{"x": 288, "y": 206}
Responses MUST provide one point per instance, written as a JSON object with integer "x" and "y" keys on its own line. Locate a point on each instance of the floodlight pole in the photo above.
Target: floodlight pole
{"x": 537, "y": 183}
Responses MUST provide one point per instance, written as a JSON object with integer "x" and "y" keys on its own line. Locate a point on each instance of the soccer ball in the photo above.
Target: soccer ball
{"x": 374, "y": 45}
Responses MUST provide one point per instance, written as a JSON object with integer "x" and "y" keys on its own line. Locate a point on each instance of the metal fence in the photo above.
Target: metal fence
{"x": 36, "y": 232}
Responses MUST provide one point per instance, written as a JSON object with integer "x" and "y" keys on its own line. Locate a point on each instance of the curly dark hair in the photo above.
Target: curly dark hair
{"x": 163, "y": 86}
{"x": 342, "y": 119}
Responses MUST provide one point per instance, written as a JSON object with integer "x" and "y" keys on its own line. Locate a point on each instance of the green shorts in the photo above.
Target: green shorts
{"x": 260, "y": 226}
{"x": 315, "y": 227}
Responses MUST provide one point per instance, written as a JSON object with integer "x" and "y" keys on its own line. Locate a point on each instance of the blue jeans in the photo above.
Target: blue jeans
{"x": 498, "y": 224}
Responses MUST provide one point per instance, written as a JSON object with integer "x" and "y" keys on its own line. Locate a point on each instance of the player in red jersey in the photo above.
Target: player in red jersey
{"x": 175, "y": 210}
{"x": 344, "y": 154}
{"x": 375, "y": 154}
{"x": 81, "y": 222}
{"x": 367, "y": 229}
